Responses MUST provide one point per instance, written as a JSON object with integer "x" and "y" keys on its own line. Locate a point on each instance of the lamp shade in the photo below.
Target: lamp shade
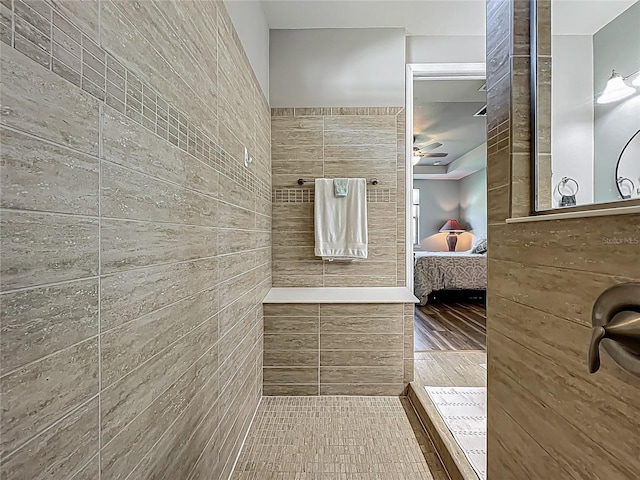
{"x": 615, "y": 90}
{"x": 452, "y": 226}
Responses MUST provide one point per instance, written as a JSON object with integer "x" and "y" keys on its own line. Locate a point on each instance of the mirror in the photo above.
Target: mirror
{"x": 586, "y": 98}
{"x": 628, "y": 169}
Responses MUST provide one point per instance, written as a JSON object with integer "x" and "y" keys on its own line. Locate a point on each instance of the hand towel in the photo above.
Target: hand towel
{"x": 341, "y": 223}
{"x": 340, "y": 187}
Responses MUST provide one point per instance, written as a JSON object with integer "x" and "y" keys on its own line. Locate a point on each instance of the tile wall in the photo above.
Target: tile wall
{"x": 547, "y": 417}
{"x": 338, "y": 142}
{"x": 136, "y": 246}
{"x": 337, "y": 349}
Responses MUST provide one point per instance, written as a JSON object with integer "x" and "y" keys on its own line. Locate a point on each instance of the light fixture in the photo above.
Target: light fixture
{"x": 616, "y": 89}
{"x": 636, "y": 81}
{"x": 454, "y": 228}
{"x": 416, "y": 159}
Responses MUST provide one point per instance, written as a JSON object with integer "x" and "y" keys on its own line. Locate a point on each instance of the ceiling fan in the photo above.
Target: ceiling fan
{"x": 425, "y": 152}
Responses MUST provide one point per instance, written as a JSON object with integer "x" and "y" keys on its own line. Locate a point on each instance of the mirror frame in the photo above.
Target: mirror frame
{"x": 533, "y": 133}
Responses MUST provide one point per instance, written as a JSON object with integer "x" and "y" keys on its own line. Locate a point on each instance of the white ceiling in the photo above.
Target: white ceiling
{"x": 419, "y": 17}
{"x": 443, "y": 112}
{"x": 430, "y": 17}
{"x": 584, "y": 17}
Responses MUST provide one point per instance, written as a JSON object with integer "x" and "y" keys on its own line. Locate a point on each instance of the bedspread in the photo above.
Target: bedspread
{"x": 448, "y": 271}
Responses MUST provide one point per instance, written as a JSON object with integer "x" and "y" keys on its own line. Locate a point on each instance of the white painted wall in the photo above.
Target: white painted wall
{"x": 337, "y": 67}
{"x": 439, "y": 202}
{"x": 250, "y": 22}
{"x": 572, "y": 114}
{"x": 446, "y": 49}
{"x": 473, "y": 202}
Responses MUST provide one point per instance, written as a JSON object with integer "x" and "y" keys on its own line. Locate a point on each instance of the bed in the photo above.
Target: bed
{"x": 435, "y": 271}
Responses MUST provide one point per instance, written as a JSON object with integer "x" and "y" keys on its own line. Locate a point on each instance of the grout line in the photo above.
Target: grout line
{"x": 13, "y": 24}
{"x": 46, "y": 285}
{"x": 100, "y": 154}
{"x": 50, "y": 38}
{"x": 134, "y": 220}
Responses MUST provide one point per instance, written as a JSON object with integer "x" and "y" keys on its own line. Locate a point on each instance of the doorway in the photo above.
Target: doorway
{"x": 446, "y": 151}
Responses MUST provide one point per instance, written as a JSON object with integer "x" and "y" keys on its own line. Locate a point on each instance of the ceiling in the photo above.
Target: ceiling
{"x": 443, "y": 112}
{"x": 419, "y": 17}
{"x": 430, "y": 17}
{"x": 585, "y": 17}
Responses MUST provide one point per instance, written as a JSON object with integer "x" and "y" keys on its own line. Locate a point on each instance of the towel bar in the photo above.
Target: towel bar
{"x": 302, "y": 181}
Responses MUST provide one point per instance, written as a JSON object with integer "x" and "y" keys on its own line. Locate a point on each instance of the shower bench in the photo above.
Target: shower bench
{"x": 338, "y": 341}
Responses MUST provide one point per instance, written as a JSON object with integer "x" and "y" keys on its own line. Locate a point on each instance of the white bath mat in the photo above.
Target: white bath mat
{"x": 464, "y": 410}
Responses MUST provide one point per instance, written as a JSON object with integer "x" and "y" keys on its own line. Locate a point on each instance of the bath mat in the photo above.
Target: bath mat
{"x": 464, "y": 410}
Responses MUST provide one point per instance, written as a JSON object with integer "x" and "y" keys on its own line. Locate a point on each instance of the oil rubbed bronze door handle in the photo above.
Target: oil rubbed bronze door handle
{"x": 616, "y": 324}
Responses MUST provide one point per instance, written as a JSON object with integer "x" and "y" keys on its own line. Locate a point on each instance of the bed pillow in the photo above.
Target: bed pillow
{"x": 480, "y": 245}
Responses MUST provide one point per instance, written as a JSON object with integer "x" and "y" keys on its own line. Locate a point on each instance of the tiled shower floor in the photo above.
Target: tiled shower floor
{"x": 323, "y": 438}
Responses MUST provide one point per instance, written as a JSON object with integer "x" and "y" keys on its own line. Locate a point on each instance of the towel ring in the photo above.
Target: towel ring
{"x": 621, "y": 180}
{"x": 563, "y": 183}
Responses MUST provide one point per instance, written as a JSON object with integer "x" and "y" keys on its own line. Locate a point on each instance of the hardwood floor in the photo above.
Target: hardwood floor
{"x": 450, "y": 326}
{"x": 451, "y": 368}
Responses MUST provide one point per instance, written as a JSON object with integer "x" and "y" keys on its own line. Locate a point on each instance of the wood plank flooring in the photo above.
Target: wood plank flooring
{"x": 451, "y": 369}
{"x": 450, "y": 326}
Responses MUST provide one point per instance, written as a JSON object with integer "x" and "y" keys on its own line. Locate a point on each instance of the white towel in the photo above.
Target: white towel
{"x": 341, "y": 223}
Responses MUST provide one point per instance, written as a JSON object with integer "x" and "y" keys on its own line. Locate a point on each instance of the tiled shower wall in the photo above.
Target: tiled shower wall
{"x": 338, "y": 142}
{"x": 548, "y": 417}
{"x": 337, "y": 349}
{"x": 136, "y": 247}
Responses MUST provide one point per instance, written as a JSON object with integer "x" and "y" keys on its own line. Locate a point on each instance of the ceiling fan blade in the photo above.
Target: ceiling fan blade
{"x": 433, "y": 155}
{"x": 431, "y": 146}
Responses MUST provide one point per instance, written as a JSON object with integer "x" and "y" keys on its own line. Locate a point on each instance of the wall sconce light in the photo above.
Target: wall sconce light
{"x": 617, "y": 89}
{"x": 416, "y": 159}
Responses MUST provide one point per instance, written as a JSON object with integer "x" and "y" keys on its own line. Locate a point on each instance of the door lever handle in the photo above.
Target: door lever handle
{"x": 623, "y": 328}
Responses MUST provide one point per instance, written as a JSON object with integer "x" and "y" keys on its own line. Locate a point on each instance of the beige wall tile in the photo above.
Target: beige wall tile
{"x": 290, "y": 324}
{"x": 125, "y": 399}
{"x": 39, "y": 394}
{"x": 39, "y": 248}
{"x": 291, "y": 342}
{"x": 46, "y": 177}
{"x": 290, "y": 375}
{"x": 122, "y": 454}
{"x": 296, "y": 131}
{"x": 393, "y": 389}
{"x": 284, "y": 358}
{"x": 74, "y": 439}
{"x": 348, "y": 324}
{"x": 364, "y": 358}
{"x": 40, "y": 321}
{"x": 271, "y": 389}
{"x": 366, "y": 375}
{"x": 34, "y": 100}
{"x": 179, "y": 336}
{"x": 124, "y": 349}
{"x": 361, "y": 341}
